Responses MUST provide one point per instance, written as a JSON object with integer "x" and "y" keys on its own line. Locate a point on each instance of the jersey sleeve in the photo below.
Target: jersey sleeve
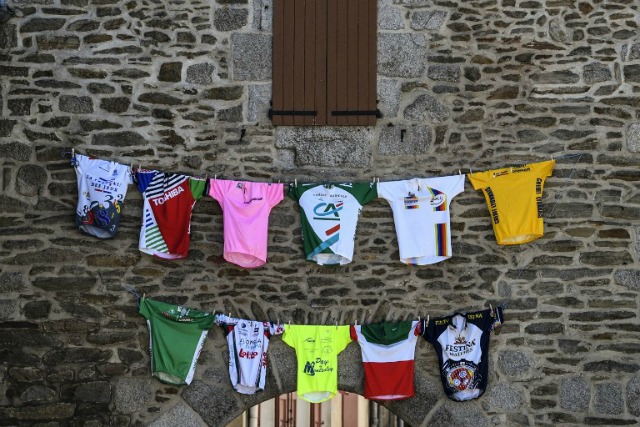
{"x": 294, "y": 192}
{"x": 128, "y": 174}
{"x": 276, "y": 328}
{"x": 217, "y": 189}
{"x": 498, "y": 318}
{"x": 354, "y": 332}
{"x": 343, "y": 337}
{"x": 289, "y": 336}
{"x": 275, "y": 194}
{"x": 478, "y": 180}
{"x": 365, "y": 193}
{"x": 197, "y": 186}
{"x": 386, "y": 190}
{"x": 143, "y": 178}
{"x": 458, "y": 185}
{"x": 428, "y": 330}
{"x": 143, "y": 309}
{"x": 545, "y": 168}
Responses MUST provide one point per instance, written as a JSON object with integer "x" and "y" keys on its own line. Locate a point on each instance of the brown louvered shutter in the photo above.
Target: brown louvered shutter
{"x": 324, "y": 62}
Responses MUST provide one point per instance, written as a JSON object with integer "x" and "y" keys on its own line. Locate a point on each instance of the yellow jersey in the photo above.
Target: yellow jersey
{"x": 514, "y": 197}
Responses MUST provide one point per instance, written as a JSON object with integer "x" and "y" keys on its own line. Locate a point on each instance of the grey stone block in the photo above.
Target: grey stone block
{"x": 12, "y": 282}
{"x": 633, "y": 137}
{"x": 596, "y": 73}
{"x": 170, "y": 72}
{"x": 258, "y": 103}
{"x": 458, "y": 414}
{"x": 389, "y": 97}
{"x": 350, "y": 369}
{"x": 284, "y": 364}
{"x": 515, "y": 363}
{"x": 97, "y": 391}
{"x": 251, "y": 55}
{"x": 200, "y": 74}
{"x": 132, "y": 394}
{"x": 575, "y": 394}
{"x": 633, "y": 396}
{"x": 213, "y": 402}
{"x": 426, "y": 106}
{"x": 390, "y": 17}
{"x": 230, "y": 19}
{"x": 327, "y": 146}
{"x": 75, "y": 104}
{"x": 6, "y": 127}
{"x": 505, "y": 396}
{"x": 428, "y": 19}
{"x": 180, "y": 415}
{"x": 445, "y": 73}
{"x": 8, "y": 36}
{"x": 628, "y": 278}
{"x": 31, "y": 179}
{"x": 119, "y": 139}
{"x": 401, "y": 55}
{"x": 233, "y": 114}
{"x": 608, "y": 399}
{"x": 7, "y": 309}
{"x": 416, "y": 140}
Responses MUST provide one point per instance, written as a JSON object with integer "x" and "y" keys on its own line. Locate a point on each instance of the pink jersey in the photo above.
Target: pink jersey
{"x": 245, "y": 212}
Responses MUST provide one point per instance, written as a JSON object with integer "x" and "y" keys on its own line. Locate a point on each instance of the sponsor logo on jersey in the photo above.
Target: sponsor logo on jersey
{"x": 437, "y": 200}
{"x": 317, "y": 366}
{"x": 102, "y": 185}
{"x": 460, "y": 347}
{"x": 323, "y": 210}
{"x": 539, "y": 196}
{"x": 525, "y": 169}
{"x": 168, "y": 196}
{"x": 248, "y": 354}
{"x": 461, "y": 377}
{"x": 492, "y": 205}
{"x": 412, "y": 202}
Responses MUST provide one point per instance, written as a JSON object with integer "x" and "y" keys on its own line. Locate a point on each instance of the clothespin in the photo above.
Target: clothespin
{"x": 427, "y": 324}
{"x": 459, "y": 171}
{"x": 356, "y": 322}
{"x": 295, "y": 182}
{"x": 336, "y": 324}
{"x": 144, "y": 295}
{"x": 491, "y": 307}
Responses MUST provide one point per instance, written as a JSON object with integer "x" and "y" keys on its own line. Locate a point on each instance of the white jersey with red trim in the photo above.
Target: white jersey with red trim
{"x": 248, "y": 342}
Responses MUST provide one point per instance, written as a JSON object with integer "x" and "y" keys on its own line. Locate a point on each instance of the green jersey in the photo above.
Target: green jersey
{"x": 329, "y": 215}
{"x": 176, "y": 336}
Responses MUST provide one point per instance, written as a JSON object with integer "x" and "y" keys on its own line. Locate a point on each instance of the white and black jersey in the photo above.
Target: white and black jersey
{"x": 461, "y": 342}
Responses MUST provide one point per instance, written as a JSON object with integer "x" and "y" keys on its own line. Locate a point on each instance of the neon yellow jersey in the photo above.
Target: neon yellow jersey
{"x": 317, "y": 349}
{"x": 514, "y": 197}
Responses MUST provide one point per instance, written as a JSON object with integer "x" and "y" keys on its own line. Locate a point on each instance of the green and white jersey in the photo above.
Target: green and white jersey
{"x": 176, "y": 335}
{"x": 329, "y": 214}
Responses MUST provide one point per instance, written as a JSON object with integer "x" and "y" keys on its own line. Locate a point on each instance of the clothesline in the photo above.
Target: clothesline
{"x": 132, "y": 290}
{"x": 71, "y": 152}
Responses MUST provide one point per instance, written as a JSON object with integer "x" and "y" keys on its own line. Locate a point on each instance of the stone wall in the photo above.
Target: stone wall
{"x": 184, "y": 85}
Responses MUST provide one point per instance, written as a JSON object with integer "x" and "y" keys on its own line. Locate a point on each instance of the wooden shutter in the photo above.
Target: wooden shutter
{"x": 324, "y": 62}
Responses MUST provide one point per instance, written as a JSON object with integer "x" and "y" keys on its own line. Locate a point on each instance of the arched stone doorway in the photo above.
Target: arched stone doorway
{"x": 211, "y": 401}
